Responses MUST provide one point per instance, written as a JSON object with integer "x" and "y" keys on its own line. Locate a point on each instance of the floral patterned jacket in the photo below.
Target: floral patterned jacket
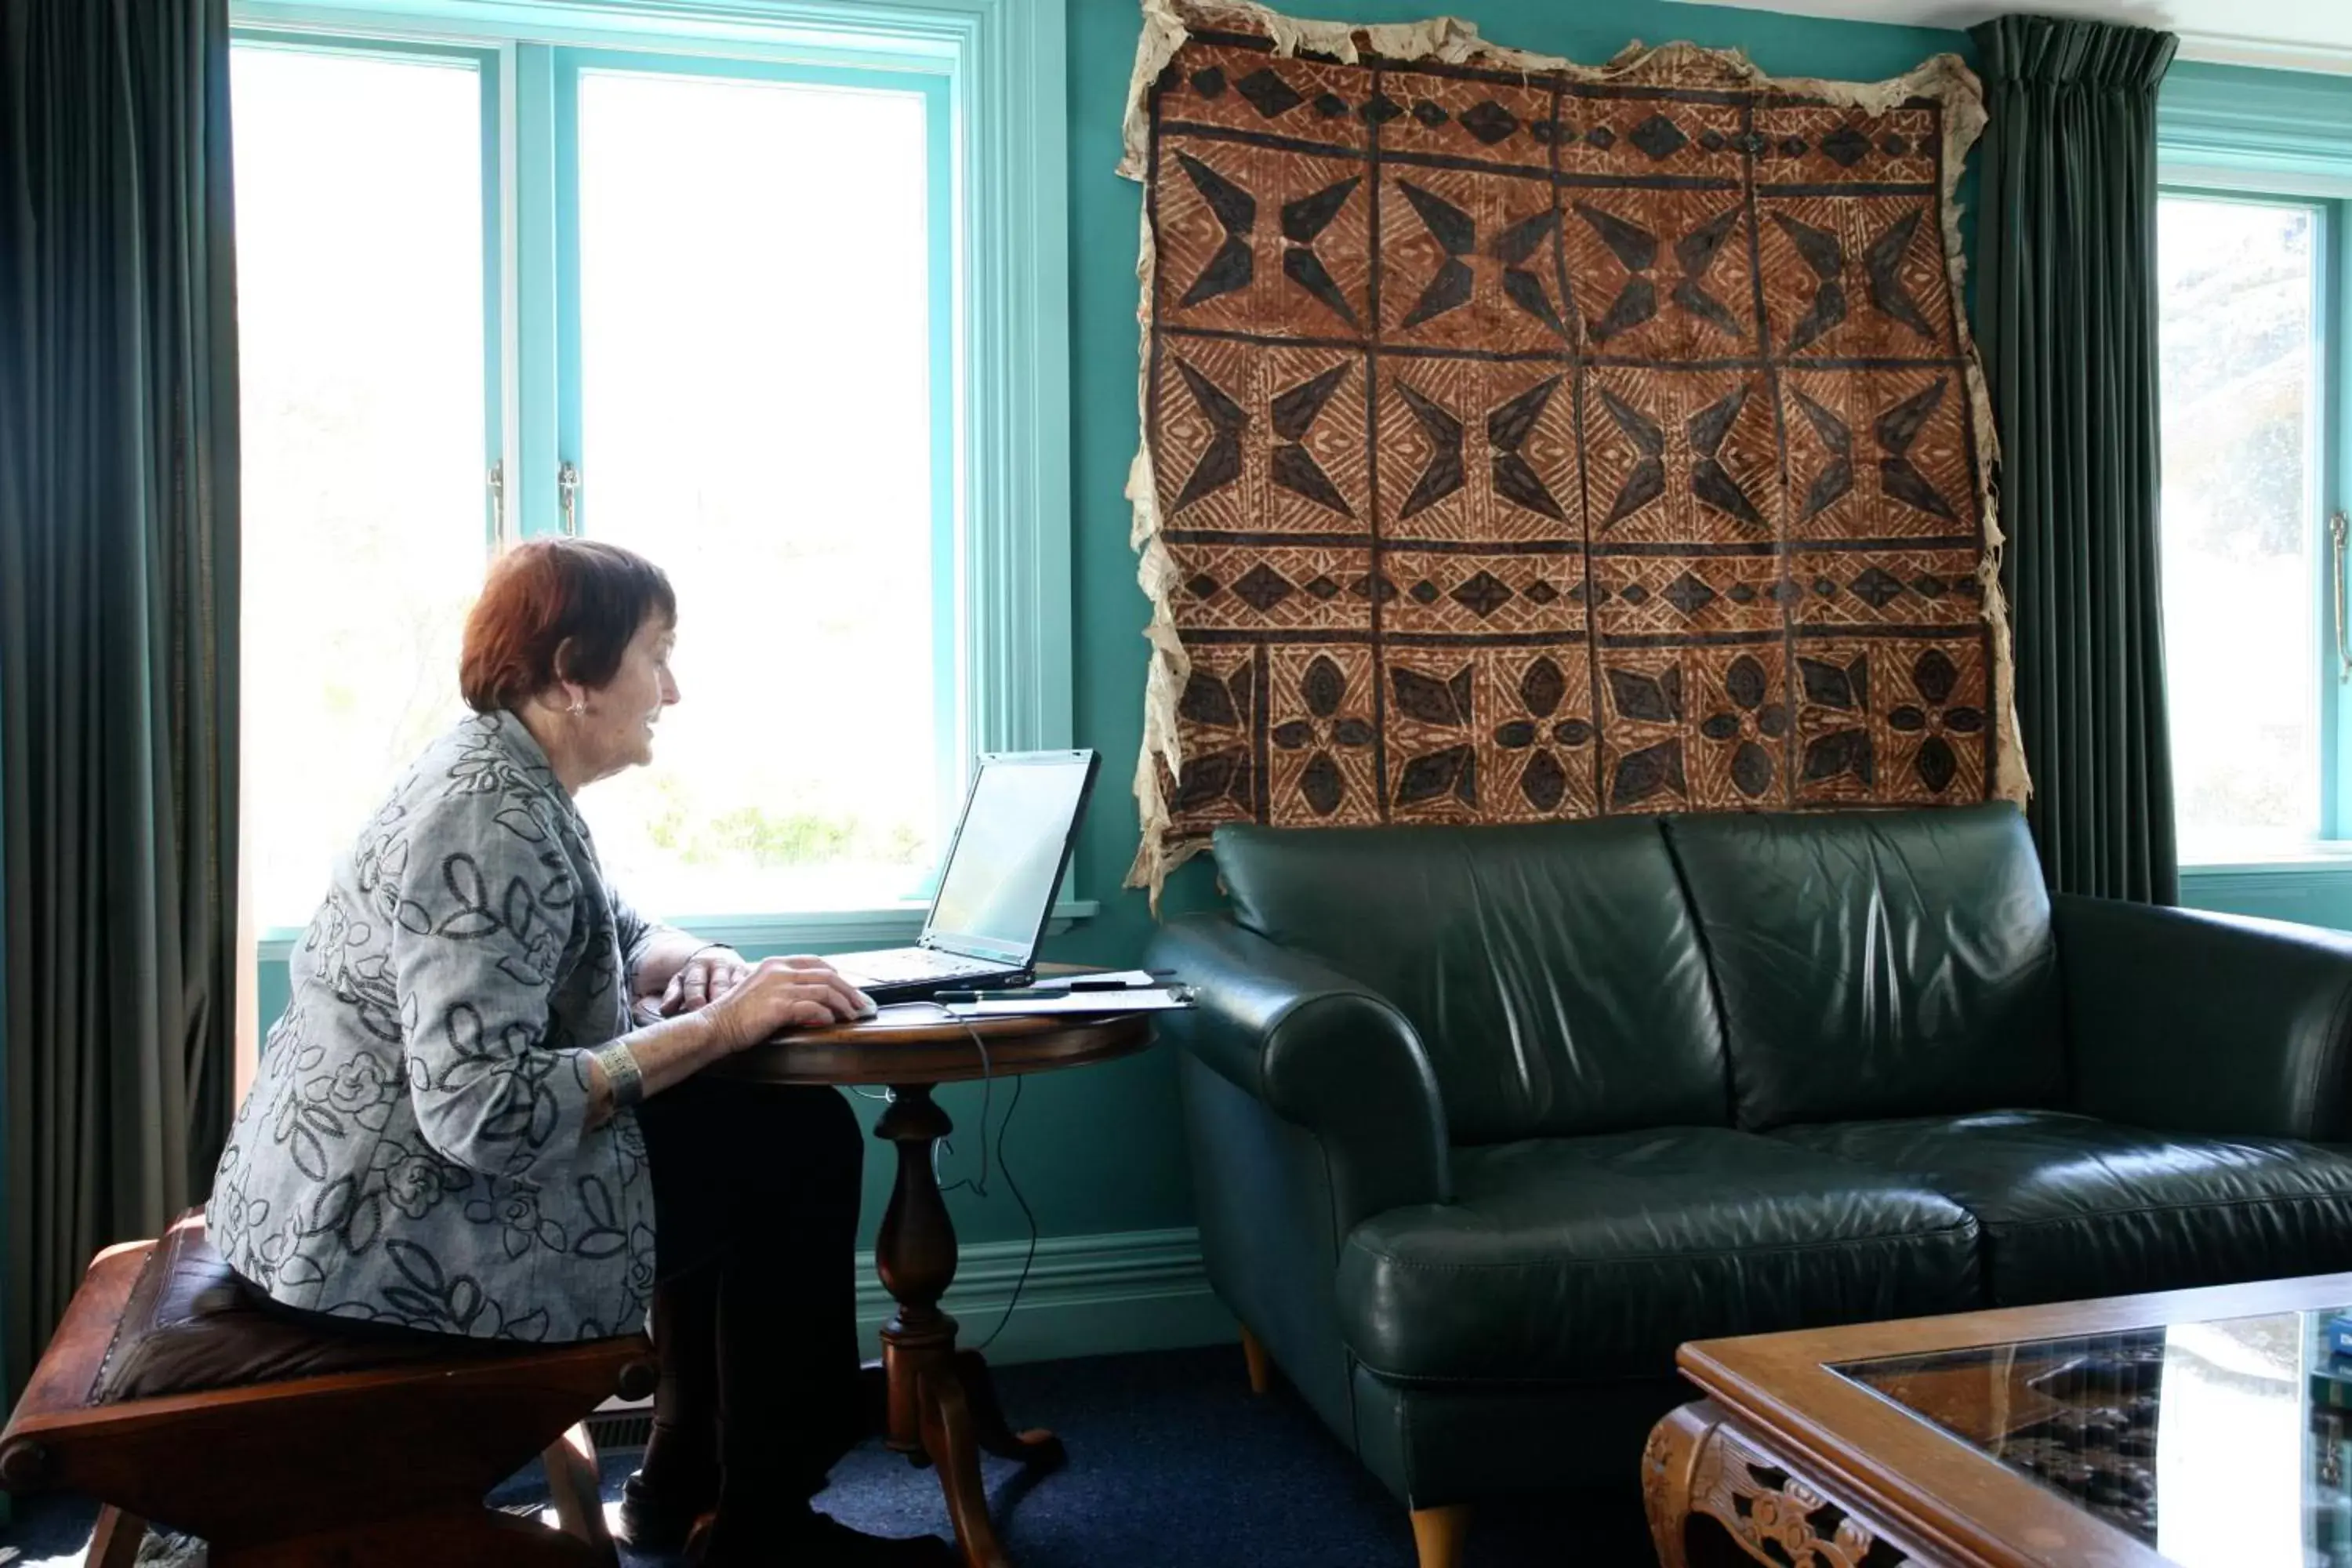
{"x": 414, "y": 1150}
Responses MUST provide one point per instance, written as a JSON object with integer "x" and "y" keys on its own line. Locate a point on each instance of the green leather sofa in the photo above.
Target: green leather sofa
{"x": 1485, "y": 1121}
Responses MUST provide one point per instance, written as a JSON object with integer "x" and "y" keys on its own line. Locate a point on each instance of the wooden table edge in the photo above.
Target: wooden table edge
{"x": 941, "y": 1050}
{"x": 1780, "y": 1391}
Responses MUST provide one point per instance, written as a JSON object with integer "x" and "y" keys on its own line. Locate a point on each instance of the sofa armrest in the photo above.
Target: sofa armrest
{"x": 1320, "y": 1051}
{"x": 2189, "y": 1022}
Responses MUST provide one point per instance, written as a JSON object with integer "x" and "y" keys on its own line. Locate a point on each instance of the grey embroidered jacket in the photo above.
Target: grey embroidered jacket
{"x": 414, "y": 1149}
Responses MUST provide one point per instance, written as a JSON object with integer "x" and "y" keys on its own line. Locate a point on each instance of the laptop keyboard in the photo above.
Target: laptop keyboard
{"x": 921, "y": 963}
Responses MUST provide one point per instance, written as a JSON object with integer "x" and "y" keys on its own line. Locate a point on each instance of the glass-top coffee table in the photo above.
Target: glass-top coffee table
{"x": 2194, "y": 1429}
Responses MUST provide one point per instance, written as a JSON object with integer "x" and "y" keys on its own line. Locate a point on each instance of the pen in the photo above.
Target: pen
{"x": 993, "y": 996}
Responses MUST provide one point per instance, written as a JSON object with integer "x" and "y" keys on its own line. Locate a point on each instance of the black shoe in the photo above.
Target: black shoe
{"x": 656, "y": 1523}
{"x": 813, "y": 1539}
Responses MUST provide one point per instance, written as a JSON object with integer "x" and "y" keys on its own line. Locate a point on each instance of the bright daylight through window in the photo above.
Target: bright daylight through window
{"x": 2242, "y": 558}
{"x": 358, "y": 213}
{"x": 755, "y": 411}
{"x": 751, "y": 381}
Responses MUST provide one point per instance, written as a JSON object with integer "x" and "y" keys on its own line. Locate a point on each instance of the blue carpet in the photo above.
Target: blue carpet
{"x": 1173, "y": 1461}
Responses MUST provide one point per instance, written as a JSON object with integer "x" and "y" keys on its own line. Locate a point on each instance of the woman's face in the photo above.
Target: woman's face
{"x": 618, "y": 726}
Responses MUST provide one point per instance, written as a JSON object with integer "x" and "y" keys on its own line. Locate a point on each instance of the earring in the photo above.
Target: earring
{"x": 578, "y": 707}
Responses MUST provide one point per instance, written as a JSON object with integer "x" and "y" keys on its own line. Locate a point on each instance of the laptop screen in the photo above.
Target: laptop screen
{"x": 1007, "y": 860}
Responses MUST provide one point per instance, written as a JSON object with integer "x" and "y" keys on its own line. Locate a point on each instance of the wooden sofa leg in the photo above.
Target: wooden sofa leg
{"x": 1254, "y": 1353}
{"x": 114, "y": 1543}
{"x": 573, "y": 1483}
{"x": 1437, "y": 1533}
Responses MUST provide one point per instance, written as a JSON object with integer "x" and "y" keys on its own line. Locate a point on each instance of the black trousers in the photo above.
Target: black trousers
{"x": 755, "y": 1302}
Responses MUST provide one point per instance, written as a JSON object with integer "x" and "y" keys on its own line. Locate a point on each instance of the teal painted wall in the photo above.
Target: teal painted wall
{"x": 1101, "y": 1149}
{"x": 2317, "y": 895}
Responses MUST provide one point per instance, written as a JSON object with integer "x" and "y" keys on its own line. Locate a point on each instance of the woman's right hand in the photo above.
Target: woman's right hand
{"x": 783, "y": 993}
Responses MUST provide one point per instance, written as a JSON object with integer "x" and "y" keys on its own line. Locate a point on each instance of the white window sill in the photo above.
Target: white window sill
{"x": 2325, "y": 858}
{"x": 887, "y": 926}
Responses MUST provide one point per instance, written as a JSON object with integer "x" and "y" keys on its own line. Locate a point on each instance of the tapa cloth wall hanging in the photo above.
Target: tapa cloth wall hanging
{"x": 1525, "y": 440}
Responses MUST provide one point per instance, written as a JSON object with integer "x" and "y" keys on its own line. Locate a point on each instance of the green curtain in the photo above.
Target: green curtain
{"x": 118, "y": 629}
{"x": 2067, "y": 316}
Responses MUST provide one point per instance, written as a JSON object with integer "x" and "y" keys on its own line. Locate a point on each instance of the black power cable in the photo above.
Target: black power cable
{"x": 978, "y": 1186}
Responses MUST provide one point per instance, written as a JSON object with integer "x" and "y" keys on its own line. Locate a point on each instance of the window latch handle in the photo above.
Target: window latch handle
{"x": 567, "y": 489}
{"x": 2336, "y": 526}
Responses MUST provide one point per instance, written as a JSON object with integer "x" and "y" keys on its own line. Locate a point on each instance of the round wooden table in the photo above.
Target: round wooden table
{"x": 942, "y": 1402}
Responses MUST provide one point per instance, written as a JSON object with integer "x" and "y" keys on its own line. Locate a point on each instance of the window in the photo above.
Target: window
{"x": 2244, "y": 553}
{"x": 758, "y": 349}
{"x": 360, "y": 272}
{"x": 2253, "y": 260}
{"x": 709, "y": 293}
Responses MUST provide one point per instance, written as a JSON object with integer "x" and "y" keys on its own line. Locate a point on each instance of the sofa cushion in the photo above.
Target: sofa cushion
{"x": 2072, "y": 1206}
{"x": 1573, "y": 1258}
{"x": 1878, "y": 964}
{"x": 1552, "y": 972}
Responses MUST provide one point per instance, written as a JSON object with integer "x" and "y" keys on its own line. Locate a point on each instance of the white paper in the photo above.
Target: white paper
{"x": 1158, "y": 998}
{"x": 1114, "y": 977}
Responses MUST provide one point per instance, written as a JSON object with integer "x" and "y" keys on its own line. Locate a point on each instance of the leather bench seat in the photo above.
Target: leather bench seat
{"x": 173, "y": 1391}
{"x": 2074, "y": 1206}
{"x": 192, "y": 1324}
{"x": 1591, "y": 1259}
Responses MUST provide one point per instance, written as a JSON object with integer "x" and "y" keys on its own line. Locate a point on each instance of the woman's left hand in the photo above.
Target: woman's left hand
{"x": 703, "y": 979}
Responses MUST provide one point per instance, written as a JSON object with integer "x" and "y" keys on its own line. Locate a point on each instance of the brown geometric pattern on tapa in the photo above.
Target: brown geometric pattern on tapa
{"x": 1527, "y": 441}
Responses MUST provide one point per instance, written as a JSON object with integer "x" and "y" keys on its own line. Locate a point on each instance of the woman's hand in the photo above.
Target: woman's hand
{"x": 783, "y": 993}
{"x": 710, "y": 973}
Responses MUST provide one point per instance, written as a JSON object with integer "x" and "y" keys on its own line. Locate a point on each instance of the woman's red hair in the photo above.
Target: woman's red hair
{"x": 544, "y": 595}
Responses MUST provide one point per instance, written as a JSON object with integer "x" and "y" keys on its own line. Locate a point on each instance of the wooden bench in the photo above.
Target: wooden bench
{"x": 169, "y": 1394}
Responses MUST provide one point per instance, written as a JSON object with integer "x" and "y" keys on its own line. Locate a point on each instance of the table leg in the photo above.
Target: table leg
{"x": 1716, "y": 1495}
{"x": 942, "y": 1404}
{"x": 1666, "y": 1465}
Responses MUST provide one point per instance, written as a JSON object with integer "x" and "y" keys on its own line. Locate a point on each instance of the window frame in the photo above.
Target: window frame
{"x": 994, "y": 74}
{"x": 2233, "y": 134}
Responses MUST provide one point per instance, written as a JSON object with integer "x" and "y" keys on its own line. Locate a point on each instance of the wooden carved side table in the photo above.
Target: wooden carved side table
{"x": 2011, "y": 1438}
{"x": 941, "y": 1401}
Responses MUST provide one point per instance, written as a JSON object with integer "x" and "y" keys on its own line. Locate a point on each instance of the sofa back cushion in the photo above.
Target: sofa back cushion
{"x": 1553, "y": 972}
{"x": 1878, "y": 964}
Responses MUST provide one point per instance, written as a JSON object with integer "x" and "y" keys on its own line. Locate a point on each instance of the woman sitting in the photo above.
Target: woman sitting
{"x": 458, "y": 1128}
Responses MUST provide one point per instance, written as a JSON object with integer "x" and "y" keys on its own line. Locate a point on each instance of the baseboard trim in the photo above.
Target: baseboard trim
{"x": 1108, "y": 1294}
{"x": 1105, "y": 1294}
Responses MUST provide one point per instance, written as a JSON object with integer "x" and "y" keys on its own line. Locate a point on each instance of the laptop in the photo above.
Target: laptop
{"x": 1003, "y": 867}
